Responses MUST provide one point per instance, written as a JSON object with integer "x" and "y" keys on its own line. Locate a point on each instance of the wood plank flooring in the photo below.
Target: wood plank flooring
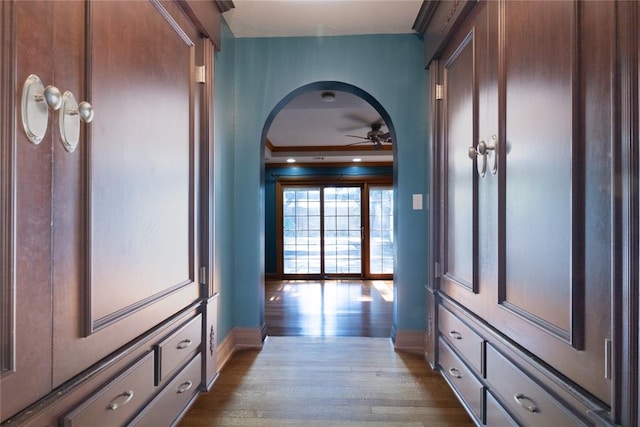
{"x": 327, "y": 381}
{"x": 347, "y": 307}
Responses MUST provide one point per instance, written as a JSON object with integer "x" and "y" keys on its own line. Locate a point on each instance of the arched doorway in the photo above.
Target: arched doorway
{"x": 330, "y": 177}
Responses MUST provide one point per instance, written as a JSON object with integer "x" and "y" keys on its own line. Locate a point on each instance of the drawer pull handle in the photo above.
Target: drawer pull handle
{"x": 455, "y": 373}
{"x": 128, "y": 395}
{"x": 184, "y": 387}
{"x": 520, "y": 398}
{"x": 455, "y": 335}
{"x": 184, "y": 344}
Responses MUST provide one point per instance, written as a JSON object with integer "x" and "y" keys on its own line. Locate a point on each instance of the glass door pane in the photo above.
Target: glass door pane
{"x": 342, "y": 230}
{"x": 301, "y": 230}
{"x": 381, "y": 230}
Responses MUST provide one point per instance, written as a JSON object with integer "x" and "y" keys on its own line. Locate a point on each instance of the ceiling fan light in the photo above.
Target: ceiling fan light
{"x": 328, "y": 97}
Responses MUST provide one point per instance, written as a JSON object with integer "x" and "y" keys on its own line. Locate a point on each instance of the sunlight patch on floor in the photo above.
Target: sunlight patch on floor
{"x": 385, "y": 288}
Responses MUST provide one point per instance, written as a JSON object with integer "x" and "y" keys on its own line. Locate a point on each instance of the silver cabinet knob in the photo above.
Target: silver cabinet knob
{"x": 479, "y": 153}
{"x": 85, "y": 110}
{"x": 482, "y": 149}
{"x": 494, "y": 153}
{"x": 69, "y": 122}
{"x": 53, "y": 97}
{"x": 36, "y": 102}
{"x": 70, "y": 115}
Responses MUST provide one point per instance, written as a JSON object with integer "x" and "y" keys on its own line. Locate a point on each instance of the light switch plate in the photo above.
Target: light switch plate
{"x": 417, "y": 202}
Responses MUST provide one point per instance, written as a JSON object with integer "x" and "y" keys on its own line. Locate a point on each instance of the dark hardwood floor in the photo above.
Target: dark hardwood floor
{"x": 329, "y": 308}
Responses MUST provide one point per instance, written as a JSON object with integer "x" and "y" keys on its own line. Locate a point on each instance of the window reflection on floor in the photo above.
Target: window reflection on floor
{"x": 329, "y": 308}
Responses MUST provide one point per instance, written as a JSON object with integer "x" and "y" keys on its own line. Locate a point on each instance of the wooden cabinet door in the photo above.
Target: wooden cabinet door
{"x": 466, "y": 109}
{"x": 554, "y": 186}
{"x": 129, "y": 197}
{"x": 29, "y": 46}
{"x": 99, "y": 245}
{"x": 529, "y": 247}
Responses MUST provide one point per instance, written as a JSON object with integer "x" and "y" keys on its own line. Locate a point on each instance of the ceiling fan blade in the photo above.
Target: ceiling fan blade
{"x": 359, "y": 142}
{"x": 353, "y": 128}
{"x": 357, "y": 118}
{"x": 356, "y": 136}
{"x": 385, "y": 136}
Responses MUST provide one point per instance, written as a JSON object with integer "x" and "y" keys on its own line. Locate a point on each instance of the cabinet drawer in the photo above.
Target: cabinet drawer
{"x": 469, "y": 344}
{"x": 495, "y": 415}
{"x": 119, "y": 400}
{"x": 461, "y": 378}
{"x": 172, "y": 400}
{"x": 174, "y": 350}
{"x": 526, "y": 400}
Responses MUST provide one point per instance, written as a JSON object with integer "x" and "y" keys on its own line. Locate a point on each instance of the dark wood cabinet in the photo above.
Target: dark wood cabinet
{"x": 102, "y": 250}
{"x": 555, "y": 185}
{"x": 210, "y": 364}
{"x": 129, "y": 251}
{"x": 118, "y": 400}
{"x": 173, "y": 400}
{"x": 526, "y": 166}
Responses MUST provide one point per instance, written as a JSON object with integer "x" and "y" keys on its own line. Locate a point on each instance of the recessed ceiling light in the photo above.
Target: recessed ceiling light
{"x": 357, "y": 159}
{"x": 328, "y": 96}
{"x": 291, "y": 160}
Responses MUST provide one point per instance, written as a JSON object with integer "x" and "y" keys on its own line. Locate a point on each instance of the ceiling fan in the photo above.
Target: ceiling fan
{"x": 374, "y": 136}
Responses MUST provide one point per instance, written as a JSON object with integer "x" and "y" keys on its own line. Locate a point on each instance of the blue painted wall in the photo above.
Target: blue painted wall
{"x": 224, "y": 128}
{"x": 272, "y": 174}
{"x": 264, "y": 71}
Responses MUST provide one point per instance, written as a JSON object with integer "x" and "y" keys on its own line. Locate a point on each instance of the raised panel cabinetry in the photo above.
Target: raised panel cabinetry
{"x": 524, "y": 171}
{"x": 104, "y": 244}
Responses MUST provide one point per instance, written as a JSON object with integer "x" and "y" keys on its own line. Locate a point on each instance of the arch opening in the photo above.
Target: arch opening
{"x": 383, "y": 115}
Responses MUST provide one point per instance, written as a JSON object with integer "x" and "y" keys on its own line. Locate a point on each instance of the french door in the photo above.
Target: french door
{"x": 380, "y": 231}
{"x": 343, "y": 230}
{"x": 336, "y": 230}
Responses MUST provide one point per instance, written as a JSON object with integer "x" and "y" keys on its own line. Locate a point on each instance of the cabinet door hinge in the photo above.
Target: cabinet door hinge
{"x": 439, "y": 92}
{"x": 436, "y": 270}
{"x": 607, "y": 358}
{"x": 203, "y": 276}
{"x": 200, "y": 74}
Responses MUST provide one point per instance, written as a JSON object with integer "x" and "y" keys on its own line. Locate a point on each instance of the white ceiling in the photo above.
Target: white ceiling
{"x": 307, "y": 121}
{"x": 291, "y": 18}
